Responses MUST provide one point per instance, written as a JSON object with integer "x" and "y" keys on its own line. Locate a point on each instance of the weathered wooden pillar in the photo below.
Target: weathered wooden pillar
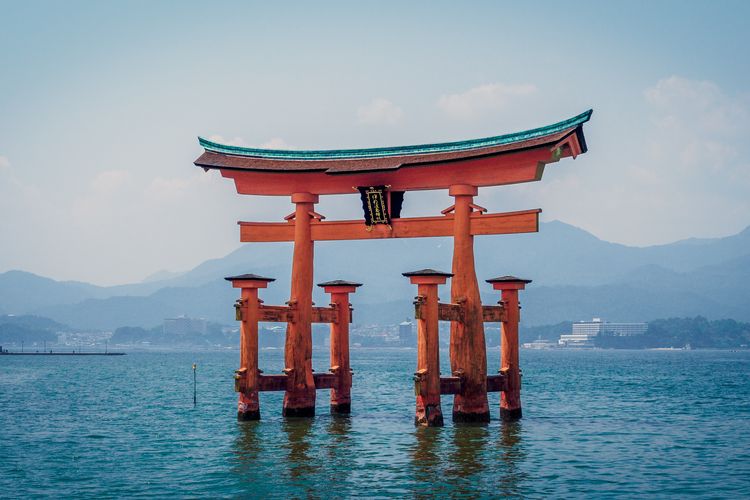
{"x": 299, "y": 398}
{"x": 246, "y": 378}
{"x": 427, "y": 376}
{"x": 341, "y": 399}
{"x": 468, "y": 352}
{"x": 510, "y": 398}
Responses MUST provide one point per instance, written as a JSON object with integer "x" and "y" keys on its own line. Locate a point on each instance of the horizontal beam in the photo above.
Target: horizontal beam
{"x": 275, "y": 314}
{"x": 278, "y": 382}
{"x": 452, "y": 385}
{"x": 494, "y": 314}
{"x": 325, "y": 315}
{"x": 526, "y": 221}
{"x": 286, "y": 314}
{"x": 450, "y": 312}
{"x": 496, "y": 383}
{"x": 325, "y": 380}
{"x": 455, "y": 312}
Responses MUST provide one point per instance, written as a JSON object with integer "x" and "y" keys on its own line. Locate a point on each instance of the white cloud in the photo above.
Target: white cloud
{"x": 237, "y": 141}
{"x": 108, "y": 195}
{"x": 380, "y": 111}
{"x": 700, "y": 106}
{"x": 681, "y": 173}
{"x": 4, "y": 162}
{"x": 276, "y": 143}
{"x": 698, "y": 128}
{"x": 162, "y": 189}
{"x": 272, "y": 143}
{"x": 488, "y": 97}
{"x": 109, "y": 181}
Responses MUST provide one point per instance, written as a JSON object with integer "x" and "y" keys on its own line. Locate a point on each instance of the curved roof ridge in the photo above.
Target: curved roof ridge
{"x": 332, "y": 154}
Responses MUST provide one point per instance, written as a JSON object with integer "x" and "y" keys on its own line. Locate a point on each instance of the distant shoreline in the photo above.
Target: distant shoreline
{"x": 62, "y": 354}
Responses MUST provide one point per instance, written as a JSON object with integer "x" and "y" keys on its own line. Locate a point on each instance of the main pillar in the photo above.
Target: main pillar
{"x": 341, "y": 397}
{"x": 427, "y": 376}
{"x": 246, "y": 378}
{"x": 468, "y": 352}
{"x": 299, "y": 398}
{"x": 510, "y": 398}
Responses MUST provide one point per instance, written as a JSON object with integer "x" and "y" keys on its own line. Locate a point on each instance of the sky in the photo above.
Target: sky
{"x": 101, "y": 104}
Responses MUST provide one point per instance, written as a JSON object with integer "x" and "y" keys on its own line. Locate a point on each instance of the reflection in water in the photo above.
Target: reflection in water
{"x": 300, "y": 463}
{"x": 247, "y": 448}
{"x": 323, "y": 457}
{"x": 468, "y": 463}
{"x": 428, "y": 476}
{"x": 285, "y": 448}
{"x": 512, "y": 455}
{"x": 247, "y": 445}
{"x": 339, "y": 451}
{"x": 469, "y": 442}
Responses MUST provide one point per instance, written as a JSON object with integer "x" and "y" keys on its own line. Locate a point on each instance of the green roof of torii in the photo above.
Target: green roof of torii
{"x": 445, "y": 147}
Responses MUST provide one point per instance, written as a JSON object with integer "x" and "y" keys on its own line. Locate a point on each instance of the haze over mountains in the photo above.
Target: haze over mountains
{"x": 576, "y": 276}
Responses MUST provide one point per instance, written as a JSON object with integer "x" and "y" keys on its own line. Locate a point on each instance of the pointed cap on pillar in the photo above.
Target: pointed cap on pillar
{"x": 339, "y": 286}
{"x": 508, "y": 283}
{"x": 249, "y": 281}
{"x": 427, "y": 277}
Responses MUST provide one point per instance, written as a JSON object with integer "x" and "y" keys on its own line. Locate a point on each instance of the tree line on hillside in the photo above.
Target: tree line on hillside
{"x": 698, "y": 332}
{"x": 28, "y": 328}
{"x": 214, "y": 335}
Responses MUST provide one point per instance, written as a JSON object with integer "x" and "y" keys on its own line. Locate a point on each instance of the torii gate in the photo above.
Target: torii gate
{"x": 461, "y": 167}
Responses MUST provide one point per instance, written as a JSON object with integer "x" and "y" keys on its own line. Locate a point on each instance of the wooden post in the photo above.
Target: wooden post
{"x": 510, "y": 398}
{"x": 468, "y": 352}
{"x": 248, "y": 406}
{"x": 299, "y": 398}
{"x": 427, "y": 377}
{"x": 341, "y": 399}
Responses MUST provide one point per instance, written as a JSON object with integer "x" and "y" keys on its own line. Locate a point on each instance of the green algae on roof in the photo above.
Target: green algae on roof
{"x": 445, "y": 147}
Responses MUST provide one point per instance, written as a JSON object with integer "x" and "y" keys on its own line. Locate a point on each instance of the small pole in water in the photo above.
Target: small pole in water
{"x": 195, "y": 399}
{"x": 106, "y": 345}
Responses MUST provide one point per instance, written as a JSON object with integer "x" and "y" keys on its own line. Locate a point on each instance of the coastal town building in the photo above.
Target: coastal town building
{"x": 406, "y": 335}
{"x": 183, "y": 325}
{"x": 584, "y": 333}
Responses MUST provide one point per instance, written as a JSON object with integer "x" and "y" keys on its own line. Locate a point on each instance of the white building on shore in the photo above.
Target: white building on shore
{"x": 585, "y": 332}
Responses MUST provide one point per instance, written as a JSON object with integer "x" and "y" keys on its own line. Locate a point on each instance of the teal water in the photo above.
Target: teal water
{"x": 670, "y": 424}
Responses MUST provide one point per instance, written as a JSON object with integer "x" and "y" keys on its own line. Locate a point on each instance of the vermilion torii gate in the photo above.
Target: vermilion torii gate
{"x": 461, "y": 167}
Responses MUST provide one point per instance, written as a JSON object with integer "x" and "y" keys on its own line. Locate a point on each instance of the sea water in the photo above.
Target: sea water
{"x": 596, "y": 424}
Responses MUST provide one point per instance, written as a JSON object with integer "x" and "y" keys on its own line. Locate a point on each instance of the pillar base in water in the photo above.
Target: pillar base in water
{"x": 245, "y": 416}
{"x": 507, "y": 415}
{"x": 432, "y": 417}
{"x": 306, "y": 412}
{"x": 471, "y": 408}
{"x": 341, "y": 408}
{"x": 461, "y": 417}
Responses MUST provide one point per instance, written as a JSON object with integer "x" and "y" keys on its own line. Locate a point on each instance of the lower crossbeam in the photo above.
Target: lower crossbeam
{"x": 452, "y": 385}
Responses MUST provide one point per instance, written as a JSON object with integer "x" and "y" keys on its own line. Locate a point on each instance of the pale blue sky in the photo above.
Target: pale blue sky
{"x": 100, "y": 104}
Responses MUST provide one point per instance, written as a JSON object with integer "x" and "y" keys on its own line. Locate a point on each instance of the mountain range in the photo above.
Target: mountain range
{"x": 576, "y": 276}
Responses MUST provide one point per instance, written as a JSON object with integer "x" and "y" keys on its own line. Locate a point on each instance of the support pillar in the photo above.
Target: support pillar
{"x": 246, "y": 378}
{"x": 299, "y": 398}
{"x": 427, "y": 376}
{"x": 510, "y": 398}
{"x": 341, "y": 399}
{"x": 468, "y": 352}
